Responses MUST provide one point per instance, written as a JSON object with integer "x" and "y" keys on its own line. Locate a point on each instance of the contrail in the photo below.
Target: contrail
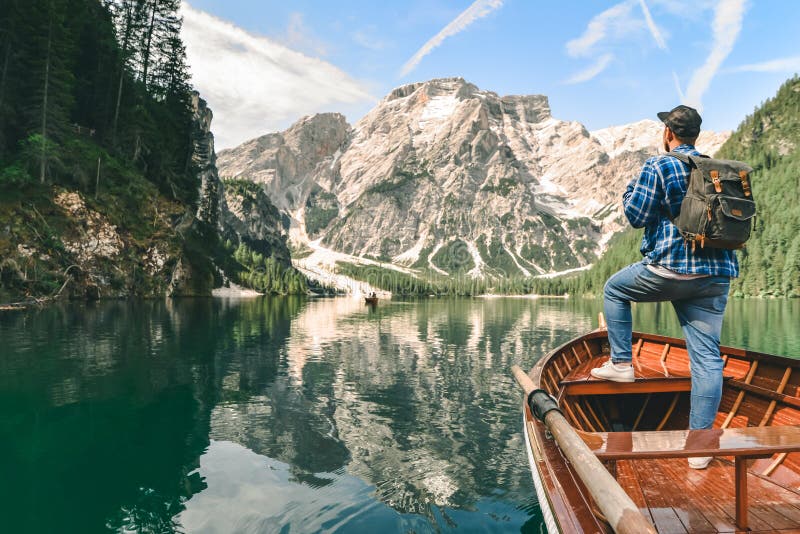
{"x": 652, "y": 25}
{"x": 478, "y": 9}
{"x": 726, "y": 27}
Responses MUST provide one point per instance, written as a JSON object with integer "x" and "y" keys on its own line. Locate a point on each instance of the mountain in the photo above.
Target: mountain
{"x": 442, "y": 177}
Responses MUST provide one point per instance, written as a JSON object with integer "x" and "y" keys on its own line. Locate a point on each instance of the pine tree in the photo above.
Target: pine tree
{"x": 10, "y": 19}
{"x": 161, "y": 19}
{"x": 128, "y": 18}
{"x": 50, "y": 84}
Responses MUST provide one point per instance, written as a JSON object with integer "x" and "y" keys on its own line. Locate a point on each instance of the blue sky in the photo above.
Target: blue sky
{"x": 264, "y": 64}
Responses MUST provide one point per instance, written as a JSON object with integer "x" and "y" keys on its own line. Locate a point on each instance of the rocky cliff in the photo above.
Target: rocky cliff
{"x": 249, "y": 217}
{"x": 123, "y": 237}
{"x": 234, "y": 212}
{"x": 444, "y": 177}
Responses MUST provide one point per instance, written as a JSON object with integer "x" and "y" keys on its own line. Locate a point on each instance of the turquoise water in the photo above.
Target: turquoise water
{"x": 289, "y": 415}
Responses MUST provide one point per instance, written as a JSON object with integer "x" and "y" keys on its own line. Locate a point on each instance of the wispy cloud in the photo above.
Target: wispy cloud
{"x": 678, "y": 89}
{"x": 368, "y": 38}
{"x": 786, "y": 64}
{"x": 615, "y": 19}
{"x": 651, "y": 25}
{"x": 726, "y": 26}
{"x": 478, "y": 10}
{"x": 589, "y": 73}
{"x": 300, "y": 37}
{"x": 255, "y": 85}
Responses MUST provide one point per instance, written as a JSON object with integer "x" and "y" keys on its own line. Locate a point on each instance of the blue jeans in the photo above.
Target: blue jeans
{"x": 700, "y": 305}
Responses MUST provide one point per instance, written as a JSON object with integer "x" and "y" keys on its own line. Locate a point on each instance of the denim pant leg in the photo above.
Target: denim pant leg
{"x": 701, "y": 320}
{"x": 700, "y": 305}
{"x": 634, "y": 283}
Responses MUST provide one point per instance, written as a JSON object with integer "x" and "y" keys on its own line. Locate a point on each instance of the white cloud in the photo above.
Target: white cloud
{"x": 726, "y": 26}
{"x": 651, "y": 25}
{"x": 786, "y": 64}
{"x": 615, "y": 19}
{"x": 589, "y": 73}
{"x": 255, "y": 85}
{"x": 478, "y": 10}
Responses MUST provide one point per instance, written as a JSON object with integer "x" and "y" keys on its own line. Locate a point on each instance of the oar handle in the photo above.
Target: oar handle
{"x": 523, "y": 379}
{"x": 620, "y": 511}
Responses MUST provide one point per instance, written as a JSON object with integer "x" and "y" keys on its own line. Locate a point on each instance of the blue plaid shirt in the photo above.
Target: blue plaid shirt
{"x": 659, "y": 190}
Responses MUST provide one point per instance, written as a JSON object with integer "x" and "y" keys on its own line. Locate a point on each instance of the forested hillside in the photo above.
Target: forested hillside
{"x": 101, "y": 146}
{"x": 70, "y": 91}
{"x": 769, "y": 140}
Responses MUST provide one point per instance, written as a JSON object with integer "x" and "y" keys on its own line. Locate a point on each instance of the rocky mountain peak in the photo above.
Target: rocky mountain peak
{"x": 325, "y": 131}
{"x": 441, "y": 93}
{"x": 444, "y": 177}
{"x": 435, "y": 87}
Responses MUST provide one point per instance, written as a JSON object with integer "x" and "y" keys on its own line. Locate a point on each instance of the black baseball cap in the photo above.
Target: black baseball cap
{"x": 682, "y": 120}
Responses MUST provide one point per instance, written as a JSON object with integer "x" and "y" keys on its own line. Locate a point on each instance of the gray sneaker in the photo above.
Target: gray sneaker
{"x": 614, "y": 372}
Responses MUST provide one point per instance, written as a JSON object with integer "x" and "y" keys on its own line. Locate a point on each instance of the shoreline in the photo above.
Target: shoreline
{"x": 532, "y": 296}
{"x": 235, "y": 291}
{"x": 239, "y": 292}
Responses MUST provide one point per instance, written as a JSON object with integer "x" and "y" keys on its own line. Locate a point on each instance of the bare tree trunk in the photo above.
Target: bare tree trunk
{"x": 116, "y": 108}
{"x": 43, "y": 163}
{"x": 6, "y": 60}
{"x": 146, "y": 62}
{"x": 125, "y": 45}
{"x": 97, "y": 179}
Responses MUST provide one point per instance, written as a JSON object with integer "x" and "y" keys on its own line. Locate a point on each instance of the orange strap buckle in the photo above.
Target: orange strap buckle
{"x": 745, "y": 183}
{"x": 715, "y": 179}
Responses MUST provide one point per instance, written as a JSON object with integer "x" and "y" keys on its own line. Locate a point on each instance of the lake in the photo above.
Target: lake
{"x": 290, "y": 414}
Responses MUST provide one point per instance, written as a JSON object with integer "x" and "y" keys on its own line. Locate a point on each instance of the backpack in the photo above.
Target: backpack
{"x": 718, "y": 208}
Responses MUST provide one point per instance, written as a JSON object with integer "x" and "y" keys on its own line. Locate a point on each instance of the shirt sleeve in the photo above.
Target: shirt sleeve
{"x": 642, "y": 199}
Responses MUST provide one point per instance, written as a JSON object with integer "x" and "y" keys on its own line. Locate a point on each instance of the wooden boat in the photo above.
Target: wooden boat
{"x": 637, "y": 430}
{"x": 371, "y": 300}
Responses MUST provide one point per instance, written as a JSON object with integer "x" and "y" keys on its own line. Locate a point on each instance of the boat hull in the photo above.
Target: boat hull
{"x": 755, "y": 394}
{"x": 548, "y": 514}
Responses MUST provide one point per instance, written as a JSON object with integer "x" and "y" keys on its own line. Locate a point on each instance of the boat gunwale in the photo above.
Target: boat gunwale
{"x": 562, "y": 508}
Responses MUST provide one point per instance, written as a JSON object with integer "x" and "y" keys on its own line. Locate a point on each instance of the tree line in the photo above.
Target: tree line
{"x": 85, "y": 78}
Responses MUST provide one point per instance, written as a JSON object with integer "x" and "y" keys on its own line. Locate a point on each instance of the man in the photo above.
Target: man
{"x": 695, "y": 280}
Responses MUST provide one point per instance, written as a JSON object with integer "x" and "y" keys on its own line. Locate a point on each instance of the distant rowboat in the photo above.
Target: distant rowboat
{"x": 371, "y": 300}
{"x": 635, "y": 432}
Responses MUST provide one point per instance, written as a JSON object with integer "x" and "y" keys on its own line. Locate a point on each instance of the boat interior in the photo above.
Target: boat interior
{"x": 639, "y": 431}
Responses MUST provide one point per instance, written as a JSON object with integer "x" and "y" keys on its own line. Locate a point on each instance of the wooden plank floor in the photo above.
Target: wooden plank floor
{"x": 642, "y": 372}
{"x": 679, "y": 499}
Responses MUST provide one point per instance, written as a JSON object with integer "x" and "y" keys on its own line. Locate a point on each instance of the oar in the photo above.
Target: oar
{"x": 619, "y": 510}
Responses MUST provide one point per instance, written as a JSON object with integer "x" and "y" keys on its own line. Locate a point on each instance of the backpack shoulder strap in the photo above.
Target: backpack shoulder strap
{"x": 686, "y": 158}
{"x": 681, "y": 156}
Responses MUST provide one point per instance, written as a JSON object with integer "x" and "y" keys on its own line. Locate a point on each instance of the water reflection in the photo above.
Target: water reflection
{"x": 270, "y": 414}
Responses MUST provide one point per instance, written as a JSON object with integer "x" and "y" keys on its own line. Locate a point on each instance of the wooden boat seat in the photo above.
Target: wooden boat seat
{"x": 579, "y": 381}
{"x": 741, "y": 443}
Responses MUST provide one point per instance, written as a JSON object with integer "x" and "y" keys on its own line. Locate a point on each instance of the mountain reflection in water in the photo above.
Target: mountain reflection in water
{"x": 282, "y": 414}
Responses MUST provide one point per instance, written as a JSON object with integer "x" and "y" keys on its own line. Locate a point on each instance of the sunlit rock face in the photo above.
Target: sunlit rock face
{"x": 446, "y": 177}
{"x": 240, "y": 212}
{"x": 250, "y": 218}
